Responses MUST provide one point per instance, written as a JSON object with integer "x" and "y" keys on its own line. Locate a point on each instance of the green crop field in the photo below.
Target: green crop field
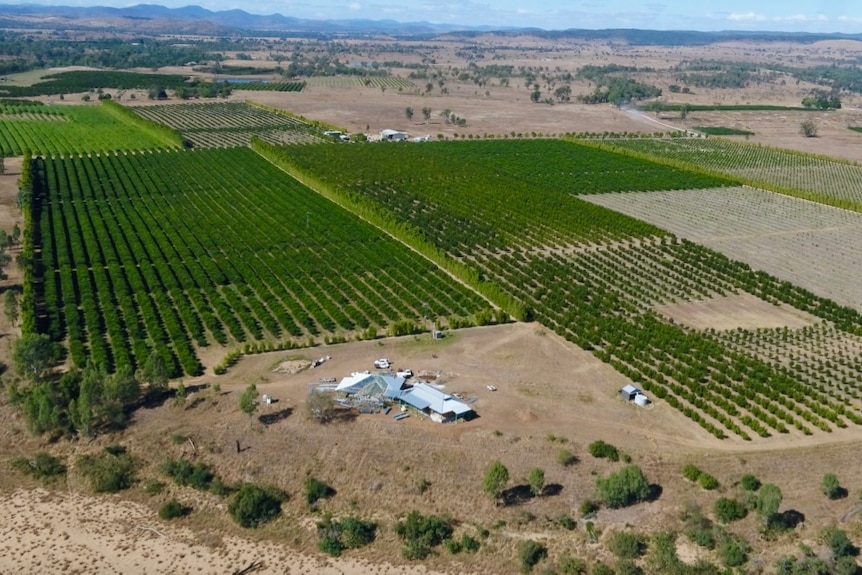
{"x": 165, "y": 252}
{"x": 169, "y": 251}
{"x": 71, "y": 130}
{"x": 221, "y": 125}
{"x": 68, "y": 82}
{"x": 357, "y": 82}
{"x": 252, "y": 86}
{"x": 509, "y": 210}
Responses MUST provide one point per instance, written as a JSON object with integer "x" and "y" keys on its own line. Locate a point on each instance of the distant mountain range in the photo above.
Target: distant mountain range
{"x": 224, "y": 21}
{"x": 195, "y": 19}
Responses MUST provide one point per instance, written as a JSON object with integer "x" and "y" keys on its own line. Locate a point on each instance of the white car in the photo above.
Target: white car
{"x": 382, "y": 363}
{"x": 405, "y": 373}
{"x": 492, "y": 388}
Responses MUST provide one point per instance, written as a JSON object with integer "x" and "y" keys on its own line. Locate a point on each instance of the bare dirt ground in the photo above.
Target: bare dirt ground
{"x": 743, "y": 311}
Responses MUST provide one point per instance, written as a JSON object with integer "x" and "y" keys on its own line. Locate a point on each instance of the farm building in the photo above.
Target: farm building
{"x": 434, "y": 403}
{"x": 363, "y": 384}
{"x": 632, "y": 393}
{"x": 393, "y": 135}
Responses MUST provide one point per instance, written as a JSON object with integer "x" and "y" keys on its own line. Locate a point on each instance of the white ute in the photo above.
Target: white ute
{"x": 382, "y": 363}
{"x": 405, "y": 373}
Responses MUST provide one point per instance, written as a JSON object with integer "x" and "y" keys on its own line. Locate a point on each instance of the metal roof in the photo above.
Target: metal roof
{"x": 370, "y": 384}
{"x": 422, "y": 396}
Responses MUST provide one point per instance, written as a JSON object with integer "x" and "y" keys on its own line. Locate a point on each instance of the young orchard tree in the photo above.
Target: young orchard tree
{"x": 536, "y": 480}
{"x": 248, "y": 400}
{"x": 408, "y": 112}
{"x": 10, "y": 306}
{"x": 768, "y": 502}
{"x": 808, "y": 129}
{"x": 496, "y": 478}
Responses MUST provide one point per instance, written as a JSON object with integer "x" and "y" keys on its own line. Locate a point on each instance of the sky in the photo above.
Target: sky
{"x": 707, "y": 15}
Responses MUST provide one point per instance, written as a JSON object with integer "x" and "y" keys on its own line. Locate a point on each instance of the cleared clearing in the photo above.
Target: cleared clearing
{"x": 808, "y": 244}
{"x": 740, "y": 311}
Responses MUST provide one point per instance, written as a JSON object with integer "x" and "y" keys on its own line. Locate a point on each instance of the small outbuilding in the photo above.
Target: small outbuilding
{"x": 629, "y": 392}
{"x": 393, "y": 136}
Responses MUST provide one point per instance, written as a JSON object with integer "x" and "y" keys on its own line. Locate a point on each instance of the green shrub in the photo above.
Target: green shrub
{"x": 625, "y": 545}
{"x": 702, "y": 536}
{"x": 729, "y": 510}
{"x": 831, "y": 487}
{"x": 838, "y": 542}
{"x": 199, "y": 475}
{"x": 749, "y": 482}
{"x": 173, "y": 509}
{"x": 699, "y": 529}
{"x": 625, "y": 487}
{"x": 452, "y": 546}
{"x": 707, "y": 481}
{"x": 469, "y": 544}
{"x": 587, "y": 508}
{"x": 733, "y": 551}
{"x": 348, "y": 533}
{"x": 602, "y": 569}
{"x": 602, "y": 450}
{"x": 330, "y": 544}
{"x": 109, "y": 472}
{"x": 253, "y": 506}
{"x": 845, "y": 566}
{"x": 566, "y": 522}
{"x": 42, "y": 466}
{"x": 316, "y": 490}
{"x": 572, "y": 566}
{"x": 531, "y": 553}
{"x": 566, "y": 458}
{"x": 691, "y": 472}
{"x": 422, "y": 533}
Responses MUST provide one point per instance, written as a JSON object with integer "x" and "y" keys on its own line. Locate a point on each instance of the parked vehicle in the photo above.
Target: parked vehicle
{"x": 382, "y": 363}
{"x": 405, "y": 373}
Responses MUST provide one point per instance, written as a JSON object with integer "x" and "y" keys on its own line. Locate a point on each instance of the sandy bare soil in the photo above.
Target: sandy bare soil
{"x": 46, "y": 532}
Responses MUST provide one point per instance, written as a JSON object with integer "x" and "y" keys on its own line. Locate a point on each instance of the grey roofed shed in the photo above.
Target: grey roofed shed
{"x": 434, "y": 402}
{"x": 629, "y": 392}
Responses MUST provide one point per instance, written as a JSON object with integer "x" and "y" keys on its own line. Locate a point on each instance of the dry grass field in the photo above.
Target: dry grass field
{"x": 550, "y": 395}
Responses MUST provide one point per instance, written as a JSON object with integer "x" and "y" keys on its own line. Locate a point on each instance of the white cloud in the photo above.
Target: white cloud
{"x": 746, "y": 17}
{"x": 354, "y": 6}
